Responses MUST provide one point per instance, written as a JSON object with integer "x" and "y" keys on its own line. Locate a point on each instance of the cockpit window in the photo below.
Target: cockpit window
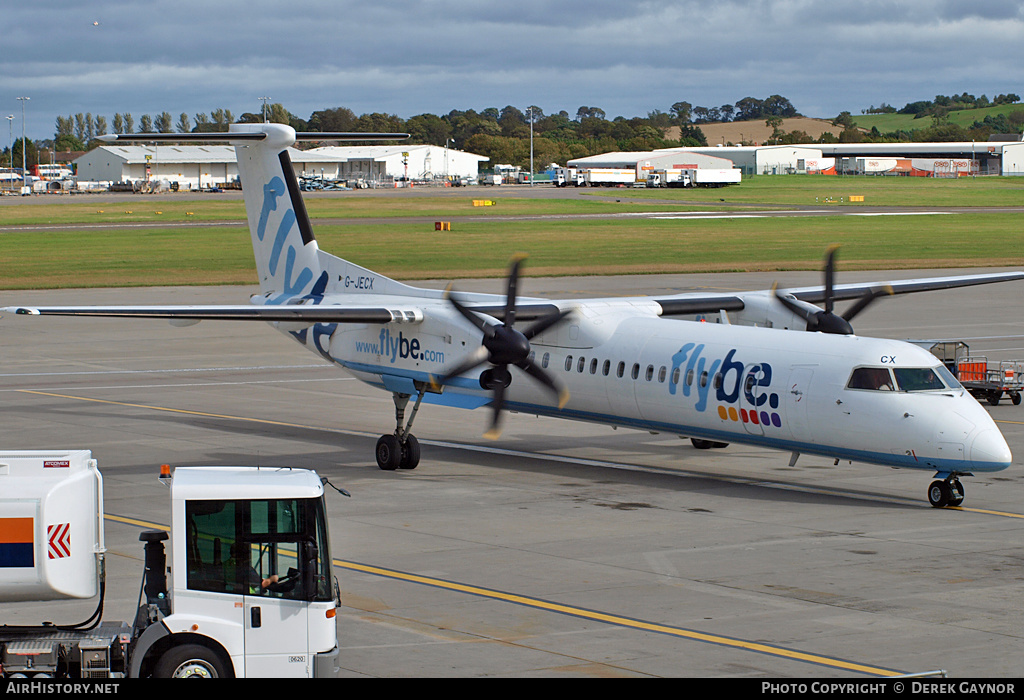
{"x": 918, "y": 379}
{"x": 947, "y": 376}
{"x": 871, "y": 378}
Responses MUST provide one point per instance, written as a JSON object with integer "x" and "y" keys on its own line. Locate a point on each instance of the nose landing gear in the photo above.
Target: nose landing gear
{"x": 948, "y": 492}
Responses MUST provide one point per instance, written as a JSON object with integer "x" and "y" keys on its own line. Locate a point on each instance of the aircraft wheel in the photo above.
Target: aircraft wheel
{"x": 410, "y": 453}
{"x": 939, "y": 494}
{"x": 389, "y": 452}
{"x": 1015, "y": 398}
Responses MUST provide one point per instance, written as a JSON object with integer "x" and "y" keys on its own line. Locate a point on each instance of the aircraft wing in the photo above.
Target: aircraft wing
{"x": 247, "y": 312}
{"x": 854, "y": 291}
{"x": 684, "y": 304}
{"x": 678, "y": 305}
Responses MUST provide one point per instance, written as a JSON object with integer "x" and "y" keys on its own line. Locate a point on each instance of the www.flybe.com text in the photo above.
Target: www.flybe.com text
{"x": 398, "y": 346}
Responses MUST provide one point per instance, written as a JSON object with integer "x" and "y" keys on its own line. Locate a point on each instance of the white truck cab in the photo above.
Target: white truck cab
{"x": 249, "y": 591}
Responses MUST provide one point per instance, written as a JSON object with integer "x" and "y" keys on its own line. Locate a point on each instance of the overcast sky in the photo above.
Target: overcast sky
{"x": 432, "y": 56}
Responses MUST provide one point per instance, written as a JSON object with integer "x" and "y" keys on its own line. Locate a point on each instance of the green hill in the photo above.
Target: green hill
{"x": 965, "y": 117}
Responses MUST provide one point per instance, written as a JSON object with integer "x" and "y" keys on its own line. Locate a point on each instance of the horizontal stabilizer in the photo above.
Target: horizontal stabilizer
{"x": 285, "y": 313}
{"x": 241, "y": 136}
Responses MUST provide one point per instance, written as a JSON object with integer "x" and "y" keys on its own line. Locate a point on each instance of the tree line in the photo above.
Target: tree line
{"x": 503, "y": 135}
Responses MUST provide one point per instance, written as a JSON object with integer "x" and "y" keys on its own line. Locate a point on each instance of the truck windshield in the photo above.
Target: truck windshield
{"x": 275, "y": 547}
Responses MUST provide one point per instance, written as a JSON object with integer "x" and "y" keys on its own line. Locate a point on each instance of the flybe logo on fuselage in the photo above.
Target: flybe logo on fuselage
{"x": 743, "y": 392}
{"x": 395, "y": 347}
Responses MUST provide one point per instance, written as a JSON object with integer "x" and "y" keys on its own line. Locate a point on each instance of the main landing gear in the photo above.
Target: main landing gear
{"x": 948, "y": 492}
{"x": 401, "y": 450}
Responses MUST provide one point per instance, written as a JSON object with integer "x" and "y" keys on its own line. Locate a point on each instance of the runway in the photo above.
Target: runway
{"x": 564, "y": 549}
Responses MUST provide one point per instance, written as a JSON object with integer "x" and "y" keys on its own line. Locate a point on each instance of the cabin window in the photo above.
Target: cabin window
{"x": 661, "y": 374}
{"x": 620, "y": 370}
{"x": 871, "y": 379}
{"x": 717, "y": 383}
{"x": 545, "y": 359}
{"x": 650, "y": 373}
{"x": 606, "y": 368}
{"x": 675, "y": 376}
{"x": 636, "y": 370}
{"x": 703, "y": 379}
{"x": 689, "y": 378}
{"x": 568, "y": 363}
{"x": 581, "y": 364}
{"x": 593, "y": 366}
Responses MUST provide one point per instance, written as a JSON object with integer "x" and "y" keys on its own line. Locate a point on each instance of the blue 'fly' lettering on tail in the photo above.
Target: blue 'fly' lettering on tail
{"x": 304, "y": 278}
{"x": 271, "y": 191}
{"x": 287, "y": 221}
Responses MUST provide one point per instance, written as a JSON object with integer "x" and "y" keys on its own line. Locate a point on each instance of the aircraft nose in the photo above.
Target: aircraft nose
{"x": 989, "y": 450}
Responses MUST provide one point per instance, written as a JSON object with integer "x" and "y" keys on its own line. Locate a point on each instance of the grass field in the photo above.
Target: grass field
{"x": 214, "y": 254}
{"x": 906, "y": 122}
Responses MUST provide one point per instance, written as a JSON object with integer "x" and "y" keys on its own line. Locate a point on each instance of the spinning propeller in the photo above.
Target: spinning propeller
{"x": 825, "y": 320}
{"x": 502, "y": 346}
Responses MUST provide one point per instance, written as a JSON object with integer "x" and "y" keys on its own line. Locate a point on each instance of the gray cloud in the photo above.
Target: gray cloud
{"x": 435, "y": 55}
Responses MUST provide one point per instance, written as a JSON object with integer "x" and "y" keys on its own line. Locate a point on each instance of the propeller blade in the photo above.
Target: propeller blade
{"x": 511, "y": 291}
{"x": 475, "y": 359}
{"x": 790, "y": 304}
{"x": 866, "y": 300}
{"x": 494, "y": 432}
{"x": 830, "y": 274}
{"x": 543, "y": 324}
{"x": 545, "y": 379}
{"x": 474, "y": 318}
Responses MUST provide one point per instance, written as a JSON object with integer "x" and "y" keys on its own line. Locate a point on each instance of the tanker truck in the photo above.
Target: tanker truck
{"x": 246, "y": 589}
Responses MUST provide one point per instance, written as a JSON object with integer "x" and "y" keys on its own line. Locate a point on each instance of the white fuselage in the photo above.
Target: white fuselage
{"x": 625, "y": 366}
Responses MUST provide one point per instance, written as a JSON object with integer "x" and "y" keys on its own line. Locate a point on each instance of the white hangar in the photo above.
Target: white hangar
{"x": 193, "y": 167}
{"x": 401, "y": 162}
{"x": 641, "y": 161}
{"x": 984, "y": 157}
{"x": 199, "y": 167}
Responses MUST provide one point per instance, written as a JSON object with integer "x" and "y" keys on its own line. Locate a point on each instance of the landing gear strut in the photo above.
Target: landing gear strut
{"x": 401, "y": 450}
{"x": 948, "y": 492}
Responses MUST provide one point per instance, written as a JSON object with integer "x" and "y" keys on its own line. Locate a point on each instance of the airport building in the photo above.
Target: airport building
{"x": 652, "y": 160}
{"x": 921, "y": 159}
{"x": 201, "y": 167}
{"x": 398, "y": 162}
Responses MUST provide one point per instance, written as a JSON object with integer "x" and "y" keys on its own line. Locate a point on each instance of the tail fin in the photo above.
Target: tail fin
{"x": 288, "y": 260}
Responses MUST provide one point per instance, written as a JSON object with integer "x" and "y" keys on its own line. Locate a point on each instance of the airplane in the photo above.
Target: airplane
{"x": 767, "y": 368}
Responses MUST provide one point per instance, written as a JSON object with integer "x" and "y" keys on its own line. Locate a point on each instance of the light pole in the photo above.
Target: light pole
{"x": 23, "y": 100}
{"x": 265, "y": 100}
{"x": 530, "y": 111}
{"x": 10, "y": 137}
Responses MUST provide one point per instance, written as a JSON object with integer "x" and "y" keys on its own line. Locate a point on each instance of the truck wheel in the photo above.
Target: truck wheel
{"x": 190, "y": 661}
{"x": 994, "y": 396}
{"x": 1015, "y": 398}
